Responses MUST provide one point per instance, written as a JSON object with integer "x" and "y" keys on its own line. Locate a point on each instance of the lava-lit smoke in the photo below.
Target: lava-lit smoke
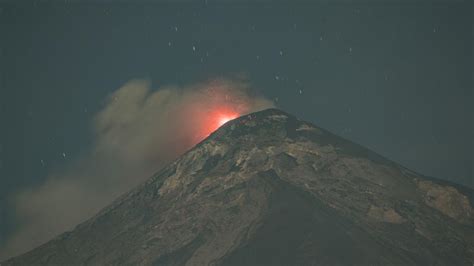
{"x": 213, "y": 119}
{"x": 138, "y": 131}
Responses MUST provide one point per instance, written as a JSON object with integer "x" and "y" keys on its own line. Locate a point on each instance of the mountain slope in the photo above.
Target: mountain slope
{"x": 268, "y": 189}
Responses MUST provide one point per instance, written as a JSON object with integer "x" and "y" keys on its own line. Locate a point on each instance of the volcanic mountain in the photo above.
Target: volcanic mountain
{"x": 269, "y": 189}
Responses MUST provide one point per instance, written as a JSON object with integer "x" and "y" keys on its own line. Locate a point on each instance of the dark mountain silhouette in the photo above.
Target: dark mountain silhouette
{"x": 269, "y": 189}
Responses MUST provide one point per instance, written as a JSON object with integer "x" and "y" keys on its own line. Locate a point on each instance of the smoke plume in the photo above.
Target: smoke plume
{"x": 138, "y": 131}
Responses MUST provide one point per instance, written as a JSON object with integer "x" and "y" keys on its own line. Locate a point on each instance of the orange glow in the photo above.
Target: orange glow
{"x": 226, "y": 118}
{"x": 217, "y": 118}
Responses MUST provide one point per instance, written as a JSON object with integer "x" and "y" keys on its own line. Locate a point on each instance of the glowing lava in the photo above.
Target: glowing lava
{"x": 218, "y": 118}
{"x": 226, "y": 118}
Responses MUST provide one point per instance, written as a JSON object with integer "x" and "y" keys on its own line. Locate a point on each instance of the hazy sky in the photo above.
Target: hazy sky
{"x": 396, "y": 78}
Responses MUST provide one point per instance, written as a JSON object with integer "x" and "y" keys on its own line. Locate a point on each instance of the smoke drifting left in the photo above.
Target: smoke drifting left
{"x": 138, "y": 131}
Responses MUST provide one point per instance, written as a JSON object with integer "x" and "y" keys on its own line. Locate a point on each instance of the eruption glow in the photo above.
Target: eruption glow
{"x": 224, "y": 118}
{"x": 218, "y": 118}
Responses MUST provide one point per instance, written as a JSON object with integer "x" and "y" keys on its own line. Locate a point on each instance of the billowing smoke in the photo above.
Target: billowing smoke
{"x": 138, "y": 131}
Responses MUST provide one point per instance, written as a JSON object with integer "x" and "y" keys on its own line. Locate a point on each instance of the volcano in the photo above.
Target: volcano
{"x": 269, "y": 189}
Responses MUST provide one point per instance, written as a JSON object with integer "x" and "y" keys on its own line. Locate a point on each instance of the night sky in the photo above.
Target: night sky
{"x": 394, "y": 77}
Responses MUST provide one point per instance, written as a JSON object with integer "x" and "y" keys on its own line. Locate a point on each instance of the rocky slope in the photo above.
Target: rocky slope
{"x": 268, "y": 189}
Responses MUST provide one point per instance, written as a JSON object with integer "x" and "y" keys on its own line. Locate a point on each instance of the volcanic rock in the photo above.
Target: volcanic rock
{"x": 269, "y": 189}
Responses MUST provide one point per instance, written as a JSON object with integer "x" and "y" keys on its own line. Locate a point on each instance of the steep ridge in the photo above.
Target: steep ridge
{"x": 269, "y": 189}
